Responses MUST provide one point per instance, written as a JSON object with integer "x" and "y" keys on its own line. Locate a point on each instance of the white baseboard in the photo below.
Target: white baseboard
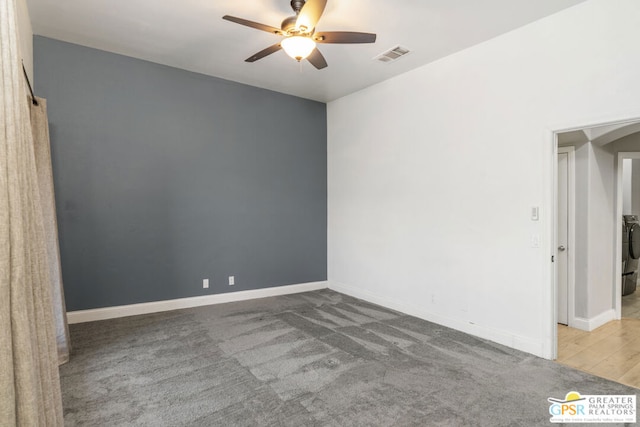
{"x": 82, "y": 316}
{"x": 594, "y": 322}
{"x": 521, "y": 343}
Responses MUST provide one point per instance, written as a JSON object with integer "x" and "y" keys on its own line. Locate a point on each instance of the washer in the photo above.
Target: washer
{"x": 630, "y": 253}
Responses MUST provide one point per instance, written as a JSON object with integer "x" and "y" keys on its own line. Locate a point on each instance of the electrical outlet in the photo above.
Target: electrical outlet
{"x": 535, "y": 240}
{"x": 232, "y": 280}
{"x": 205, "y": 283}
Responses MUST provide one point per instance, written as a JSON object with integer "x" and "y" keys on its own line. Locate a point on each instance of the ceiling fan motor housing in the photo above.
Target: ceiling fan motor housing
{"x": 289, "y": 25}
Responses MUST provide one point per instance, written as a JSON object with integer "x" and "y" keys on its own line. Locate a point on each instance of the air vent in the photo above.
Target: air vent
{"x": 392, "y": 54}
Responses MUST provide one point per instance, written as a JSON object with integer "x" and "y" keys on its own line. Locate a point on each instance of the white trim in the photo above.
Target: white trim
{"x": 595, "y": 322}
{"x": 82, "y": 316}
{"x": 551, "y": 346}
{"x": 571, "y": 230}
{"x": 510, "y": 340}
{"x": 617, "y": 298}
{"x": 622, "y": 119}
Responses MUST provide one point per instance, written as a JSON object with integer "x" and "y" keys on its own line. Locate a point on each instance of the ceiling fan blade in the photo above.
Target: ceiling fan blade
{"x": 265, "y": 52}
{"x": 344, "y": 37}
{"x": 256, "y": 25}
{"x": 310, "y": 14}
{"x": 317, "y": 60}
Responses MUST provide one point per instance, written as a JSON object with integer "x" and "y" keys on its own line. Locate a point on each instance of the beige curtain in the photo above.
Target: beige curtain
{"x": 29, "y": 379}
{"x": 42, "y": 149}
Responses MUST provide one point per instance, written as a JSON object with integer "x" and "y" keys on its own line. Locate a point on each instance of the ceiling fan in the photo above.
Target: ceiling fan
{"x": 299, "y": 34}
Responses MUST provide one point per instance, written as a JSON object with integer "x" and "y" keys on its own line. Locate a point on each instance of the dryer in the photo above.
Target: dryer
{"x": 630, "y": 253}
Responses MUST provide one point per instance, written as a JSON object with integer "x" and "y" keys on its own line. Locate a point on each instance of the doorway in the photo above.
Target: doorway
{"x": 587, "y": 222}
{"x": 595, "y": 339}
{"x": 627, "y": 203}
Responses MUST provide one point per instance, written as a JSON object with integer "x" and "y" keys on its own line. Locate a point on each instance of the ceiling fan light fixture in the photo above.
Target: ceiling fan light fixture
{"x": 298, "y": 47}
{"x": 299, "y": 34}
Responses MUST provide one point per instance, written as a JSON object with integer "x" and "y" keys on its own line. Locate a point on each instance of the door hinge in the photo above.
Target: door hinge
{"x": 553, "y": 258}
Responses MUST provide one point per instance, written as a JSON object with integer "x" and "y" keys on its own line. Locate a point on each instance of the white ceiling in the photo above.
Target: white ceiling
{"x": 191, "y": 34}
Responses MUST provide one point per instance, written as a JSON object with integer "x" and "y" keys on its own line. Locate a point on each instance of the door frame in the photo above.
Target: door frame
{"x": 550, "y": 347}
{"x": 618, "y": 245}
{"x": 571, "y": 232}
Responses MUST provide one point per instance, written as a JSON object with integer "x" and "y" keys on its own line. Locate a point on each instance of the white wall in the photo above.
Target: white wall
{"x": 432, "y": 174}
{"x": 601, "y": 227}
{"x": 581, "y": 255}
{"x": 630, "y": 143}
{"x": 635, "y": 183}
{"x": 26, "y": 36}
{"x": 627, "y": 181}
{"x": 631, "y": 184}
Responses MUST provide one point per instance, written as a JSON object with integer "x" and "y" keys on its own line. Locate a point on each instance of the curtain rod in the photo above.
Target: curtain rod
{"x": 26, "y": 76}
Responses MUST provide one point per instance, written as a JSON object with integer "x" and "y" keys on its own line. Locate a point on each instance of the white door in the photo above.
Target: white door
{"x": 562, "y": 278}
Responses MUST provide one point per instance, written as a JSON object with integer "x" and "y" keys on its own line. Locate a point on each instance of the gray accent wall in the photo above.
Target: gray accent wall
{"x": 165, "y": 177}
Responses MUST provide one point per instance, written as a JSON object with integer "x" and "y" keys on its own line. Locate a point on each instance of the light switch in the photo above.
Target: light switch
{"x": 535, "y": 213}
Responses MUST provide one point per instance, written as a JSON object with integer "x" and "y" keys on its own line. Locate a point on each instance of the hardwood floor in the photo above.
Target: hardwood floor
{"x": 631, "y": 305}
{"x": 612, "y": 351}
